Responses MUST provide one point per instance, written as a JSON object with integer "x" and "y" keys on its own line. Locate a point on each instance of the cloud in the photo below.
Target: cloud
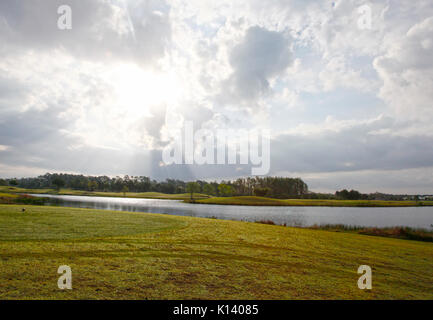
{"x": 407, "y": 73}
{"x": 350, "y": 146}
{"x": 104, "y": 96}
{"x": 402, "y": 181}
{"x": 139, "y": 31}
{"x": 261, "y": 56}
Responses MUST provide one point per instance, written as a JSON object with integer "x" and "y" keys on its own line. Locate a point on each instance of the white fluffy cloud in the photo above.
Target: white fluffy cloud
{"x": 406, "y": 69}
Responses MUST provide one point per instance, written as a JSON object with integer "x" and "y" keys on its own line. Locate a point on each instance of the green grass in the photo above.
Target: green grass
{"x": 147, "y": 195}
{"x": 263, "y": 201}
{"x": 7, "y": 195}
{"x": 391, "y": 232}
{"x": 119, "y": 255}
{"x": 36, "y": 224}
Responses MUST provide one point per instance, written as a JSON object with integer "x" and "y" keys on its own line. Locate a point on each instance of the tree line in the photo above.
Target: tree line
{"x": 277, "y": 187}
{"x": 273, "y": 187}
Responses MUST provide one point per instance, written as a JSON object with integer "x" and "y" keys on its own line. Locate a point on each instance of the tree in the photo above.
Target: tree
{"x": 92, "y": 185}
{"x": 274, "y": 187}
{"x": 209, "y": 189}
{"x": 348, "y": 195}
{"x": 58, "y": 183}
{"x": 354, "y": 195}
{"x": 192, "y": 187}
{"x": 3, "y": 182}
{"x": 343, "y": 194}
{"x": 225, "y": 190}
{"x": 125, "y": 189}
{"x": 261, "y": 192}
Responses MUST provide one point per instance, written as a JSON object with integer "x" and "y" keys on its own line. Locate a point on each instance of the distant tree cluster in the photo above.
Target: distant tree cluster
{"x": 356, "y": 195}
{"x": 274, "y": 187}
{"x": 277, "y": 187}
{"x": 350, "y": 195}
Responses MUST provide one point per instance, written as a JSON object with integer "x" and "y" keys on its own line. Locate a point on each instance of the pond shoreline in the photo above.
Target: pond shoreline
{"x": 237, "y": 200}
{"x": 302, "y": 216}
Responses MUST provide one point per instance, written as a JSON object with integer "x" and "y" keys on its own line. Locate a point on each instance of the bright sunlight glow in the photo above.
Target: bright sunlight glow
{"x": 138, "y": 90}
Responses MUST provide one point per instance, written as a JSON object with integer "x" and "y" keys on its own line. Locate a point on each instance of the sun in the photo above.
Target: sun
{"x": 137, "y": 90}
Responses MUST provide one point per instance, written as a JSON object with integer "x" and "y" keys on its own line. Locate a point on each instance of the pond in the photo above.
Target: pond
{"x": 416, "y": 217}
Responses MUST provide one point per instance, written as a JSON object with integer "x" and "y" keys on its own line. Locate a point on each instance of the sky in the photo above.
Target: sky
{"x": 345, "y": 88}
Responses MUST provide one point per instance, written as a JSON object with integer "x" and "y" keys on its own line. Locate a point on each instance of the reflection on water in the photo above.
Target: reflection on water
{"x": 417, "y": 217}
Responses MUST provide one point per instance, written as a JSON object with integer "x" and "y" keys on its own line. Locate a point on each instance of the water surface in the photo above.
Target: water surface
{"x": 417, "y": 217}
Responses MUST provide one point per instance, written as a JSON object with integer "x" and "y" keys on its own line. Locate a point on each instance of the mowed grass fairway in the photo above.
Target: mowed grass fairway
{"x": 116, "y": 255}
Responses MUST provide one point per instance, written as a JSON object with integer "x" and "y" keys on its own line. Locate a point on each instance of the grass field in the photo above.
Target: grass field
{"x": 147, "y": 195}
{"x": 262, "y": 201}
{"x": 116, "y": 255}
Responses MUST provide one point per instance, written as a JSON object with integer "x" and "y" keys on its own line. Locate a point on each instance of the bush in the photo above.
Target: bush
{"x": 266, "y": 222}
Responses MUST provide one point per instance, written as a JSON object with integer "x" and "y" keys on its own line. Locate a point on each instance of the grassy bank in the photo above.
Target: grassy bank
{"x": 10, "y": 198}
{"x": 146, "y": 195}
{"x": 262, "y": 201}
{"x": 116, "y": 255}
{"x": 390, "y": 232}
